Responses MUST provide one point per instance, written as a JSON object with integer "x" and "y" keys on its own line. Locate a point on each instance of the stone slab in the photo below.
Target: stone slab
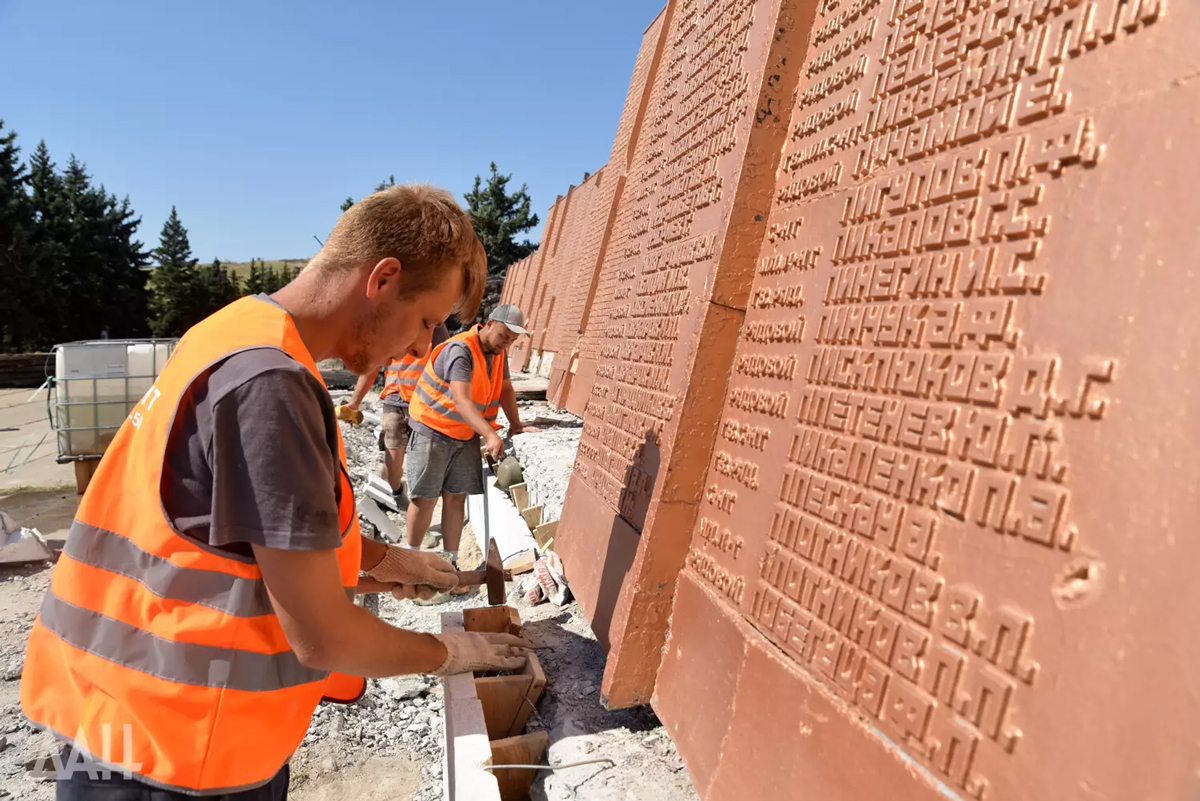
{"x": 690, "y": 218}
{"x": 520, "y": 285}
{"x": 956, "y": 465}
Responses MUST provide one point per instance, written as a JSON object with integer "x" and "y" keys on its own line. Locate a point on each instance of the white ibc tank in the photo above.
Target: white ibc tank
{"x": 96, "y": 384}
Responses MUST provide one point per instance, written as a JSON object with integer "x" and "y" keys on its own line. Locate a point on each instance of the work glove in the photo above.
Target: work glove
{"x": 344, "y": 412}
{"x": 415, "y": 568}
{"x": 476, "y": 651}
{"x": 401, "y": 592}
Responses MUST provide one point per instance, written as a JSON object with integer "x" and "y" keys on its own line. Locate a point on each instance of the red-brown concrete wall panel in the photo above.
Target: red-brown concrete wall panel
{"x": 534, "y": 302}
{"x": 564, "y": 329}
{"x": 557, "y": 245}
{"x": 947, "y": 522}
{"x": 580, "y": 292}
{"x": 694, "y": 206}
{"x": 519, "y": 284}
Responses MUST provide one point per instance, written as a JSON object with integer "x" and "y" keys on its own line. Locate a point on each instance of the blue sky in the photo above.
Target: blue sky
{"x": 256, "y": 118}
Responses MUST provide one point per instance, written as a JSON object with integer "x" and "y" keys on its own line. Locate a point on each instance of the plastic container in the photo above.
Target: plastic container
{"x": 96, "y": 384}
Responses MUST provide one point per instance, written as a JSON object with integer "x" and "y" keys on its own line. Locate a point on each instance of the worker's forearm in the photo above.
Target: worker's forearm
{"x": 468, "y": 411}
{"x": 324, "y": 627}
{"x": 362, "y": 387}
{"x": 508, "y": 402}
{"x": 371, "y": 586}
{"x": 363, "y": 645}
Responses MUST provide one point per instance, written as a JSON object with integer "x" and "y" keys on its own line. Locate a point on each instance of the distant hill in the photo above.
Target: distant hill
{"x": 242, "y": 268}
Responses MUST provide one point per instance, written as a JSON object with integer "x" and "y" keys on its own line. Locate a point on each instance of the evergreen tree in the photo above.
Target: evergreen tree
{"x": 220, "y": 286}
{"x": 499, "y": 216}
{"x": 177, "y": 299}
{"x": 379, "y": 187}
{"x": 255, "y": 283}
{"x": 51, "y": 231}
{"x": 270, "y": 280}
{"x": 101, "y": 284}
{"x": 127, "y": 295}
{"x": 19, "y": 265}
{"x": 70, "y": 263}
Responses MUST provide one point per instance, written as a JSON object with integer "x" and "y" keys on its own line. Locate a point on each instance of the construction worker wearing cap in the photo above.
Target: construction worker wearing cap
{"x": 202, "y": 605}
{"x": 399, "y": 381}
{"x": 465, "y": 383}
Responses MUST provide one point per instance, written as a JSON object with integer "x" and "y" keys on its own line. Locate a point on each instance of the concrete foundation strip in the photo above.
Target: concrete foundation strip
{"x": 509, "y": 530}
{"x": 484, "y": 717}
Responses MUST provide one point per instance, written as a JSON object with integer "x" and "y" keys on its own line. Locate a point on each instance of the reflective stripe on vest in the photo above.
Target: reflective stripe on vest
{"x": 433, "y": 404}
{"x": 401, "y": 377}
{"x": 150, "y": 641}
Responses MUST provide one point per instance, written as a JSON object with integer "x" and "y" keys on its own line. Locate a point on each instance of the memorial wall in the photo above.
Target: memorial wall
{"x": 888, "y": 383}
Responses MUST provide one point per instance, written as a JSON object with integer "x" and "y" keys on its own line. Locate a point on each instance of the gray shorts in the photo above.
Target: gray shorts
{"x": 395, "y": 427}
{"x": 434, "y": 466}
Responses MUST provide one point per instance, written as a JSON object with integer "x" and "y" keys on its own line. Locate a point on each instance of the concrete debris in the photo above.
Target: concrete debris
{"x": 547, "y": 455}
{"x": 21, "y": 545}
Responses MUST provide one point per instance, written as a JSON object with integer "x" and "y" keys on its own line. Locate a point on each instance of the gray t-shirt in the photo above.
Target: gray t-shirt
{"x": 252, "y": 457}
{"x": 454, "y": 363}
{"x": 440, "y": 335}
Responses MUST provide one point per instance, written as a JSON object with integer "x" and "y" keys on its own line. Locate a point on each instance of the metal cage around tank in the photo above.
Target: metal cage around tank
{"x": 95, "y": 385}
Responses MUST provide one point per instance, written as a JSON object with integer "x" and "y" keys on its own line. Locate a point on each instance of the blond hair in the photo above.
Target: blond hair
{"x": 421, "y": 226}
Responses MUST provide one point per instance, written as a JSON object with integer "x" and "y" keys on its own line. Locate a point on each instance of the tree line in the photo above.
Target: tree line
{"x": 72, "y": 266}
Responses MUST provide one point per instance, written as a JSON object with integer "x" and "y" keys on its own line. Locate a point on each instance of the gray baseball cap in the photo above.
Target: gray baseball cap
{"x": 511, "y": 316}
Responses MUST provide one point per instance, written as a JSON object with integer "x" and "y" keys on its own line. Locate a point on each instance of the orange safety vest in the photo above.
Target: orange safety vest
{"x": 402, "y": 377}
{"x": 162, "y": 651}
{"x": 433, "y": 405}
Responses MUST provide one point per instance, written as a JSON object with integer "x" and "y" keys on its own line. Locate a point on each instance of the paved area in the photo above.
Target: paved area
{"x": 27, "y": 445}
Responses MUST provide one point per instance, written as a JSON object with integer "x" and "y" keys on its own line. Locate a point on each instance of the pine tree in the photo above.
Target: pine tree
{"x": 19, "y": 265}
{"x": 379, "y": 187}
{"x": 177, "y": 299}
{"x": 101, "y": 284}
{"x": 499, "y": 216}
{"x": 220, "y": 287}
{"x": 255, "y": 280}
{"x": 52, "y": 227}
{"x": 127, "y": 294}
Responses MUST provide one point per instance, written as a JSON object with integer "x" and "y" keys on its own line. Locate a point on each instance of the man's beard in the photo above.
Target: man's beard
{"x": 366, "y": 329}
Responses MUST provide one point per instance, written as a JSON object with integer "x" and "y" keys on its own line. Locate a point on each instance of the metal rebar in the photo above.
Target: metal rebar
{"x": 552, "y": 767}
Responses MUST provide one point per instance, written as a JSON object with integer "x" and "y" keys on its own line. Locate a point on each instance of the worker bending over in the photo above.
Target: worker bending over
{"x": 399, "y": 381}
{"x": 202, "y": 606}
{"x": 465, "y": 382}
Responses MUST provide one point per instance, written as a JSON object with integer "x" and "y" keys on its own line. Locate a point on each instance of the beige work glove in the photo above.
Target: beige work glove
{"x": 474, "y": 651}
{"x": 415, "y": 568}
{"x": 344, "y": 412}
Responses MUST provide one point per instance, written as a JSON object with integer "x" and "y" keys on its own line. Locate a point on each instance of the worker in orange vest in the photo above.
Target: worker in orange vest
{"x": 465, "y": 383}
{"x": 399, "y": 381}
{"x": 202, "y": 606}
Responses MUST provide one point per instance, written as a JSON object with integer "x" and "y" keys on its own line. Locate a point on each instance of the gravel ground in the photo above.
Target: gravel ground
{"x": 547, "y": 456}
{"x": 389, "y": 745}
